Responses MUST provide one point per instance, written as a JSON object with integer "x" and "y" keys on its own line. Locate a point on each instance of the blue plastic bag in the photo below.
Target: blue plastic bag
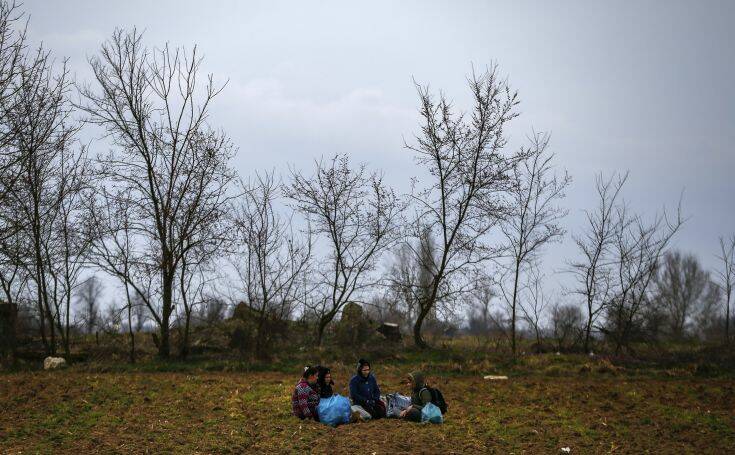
{"x": 431, "y": 413}
{"x": 334, "y": 410}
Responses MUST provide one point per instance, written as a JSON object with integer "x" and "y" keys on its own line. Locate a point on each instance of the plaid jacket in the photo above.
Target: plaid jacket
{"x": 304, "y": 401}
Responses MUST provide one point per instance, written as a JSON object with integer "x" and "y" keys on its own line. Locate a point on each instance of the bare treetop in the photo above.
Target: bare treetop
{"x": 469, "y": 166}
{"x": 357, "y": 214}
{"x": 532, "y": 214}
{"x": 726, "y": 277}
{"x": 173, "y": 167}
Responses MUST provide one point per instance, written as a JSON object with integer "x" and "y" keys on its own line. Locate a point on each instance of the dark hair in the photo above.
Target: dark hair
{"x": 309, "y": 371}
{"x": 323, "y": 371}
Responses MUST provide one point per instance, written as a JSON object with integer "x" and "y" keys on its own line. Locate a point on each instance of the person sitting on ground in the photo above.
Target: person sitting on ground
{"x": 305, "y": 398}
{"x": 420, "y": 397}
{"x": 324, "y": 382}
{"x": 365, "y": 392}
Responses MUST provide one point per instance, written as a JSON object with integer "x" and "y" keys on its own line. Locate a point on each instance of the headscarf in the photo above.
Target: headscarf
{"x": 361, "y": 363}
{"x": 419, "y": 382}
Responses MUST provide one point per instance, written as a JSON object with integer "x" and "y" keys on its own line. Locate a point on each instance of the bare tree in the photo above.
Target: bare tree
{"x": 637, "y": 247}
{"x": 13, "y": 58}
{"x": 482, "y": 320}
{"x": 409, "y": 277}
{"x": 212, "y": 310}
{"x": 708, "y": 320}
{"x": 138, "y": 310}
{"x": 88, "y": 295}
{"x": 13, "y": 62}
{"x": 14, "y": 275}
{"x": 114, "y": 250}
{"x": 112, "y": 318}
{"x": 535, "y": 306}
{"x": 726, "y": 277}
{"x": 682, "y": 289}
{"x": 51, "y": 178}
{"x": 566, "y": 325}
{"x": 195, "y": 275}
{"x": 464, "y": 156}
{"x": 272, "y": 257}
{"x": 67, "y": 252}
{"x": 593, "y": 269}
{"x": 356, "y": 214}
{"x": 533, "y": 217}
{"x": 172, "y": 165}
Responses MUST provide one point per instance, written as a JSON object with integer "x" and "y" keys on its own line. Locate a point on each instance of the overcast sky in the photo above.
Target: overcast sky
{"x": 645, "y": 86}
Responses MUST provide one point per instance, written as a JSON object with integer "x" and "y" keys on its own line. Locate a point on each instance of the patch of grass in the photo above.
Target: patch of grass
{"x": 135, "y": 411}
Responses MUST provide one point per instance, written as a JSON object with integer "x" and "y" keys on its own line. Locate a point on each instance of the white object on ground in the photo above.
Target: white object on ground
{"x": 53, "y": 363}
{"x": 492, "y": 377}
{"x": 364, "y": 415}
{"x": 566, "y": 449}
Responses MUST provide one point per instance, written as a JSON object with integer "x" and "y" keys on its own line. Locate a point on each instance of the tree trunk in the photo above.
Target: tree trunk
{"x": 588, "y": 329}
{"x": 513, "y": 309}
{"x": 260, "y": 337}
{"x": 67, "y": 343}
{"x": 52, "y": 329}
{"x": 323, "y": 323}
{"x": 42, "y": 324}
{"x": 185, "y": 339}
{"x": 727, "y": 320}
{"x": 164, "y": 347}
{"x": 131, "y": 332}
{"x": 417, "y": 338}
{"x": 538, "y": 339}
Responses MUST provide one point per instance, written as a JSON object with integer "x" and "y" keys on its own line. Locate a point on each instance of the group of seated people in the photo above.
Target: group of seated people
{"x": 316, "y": 383}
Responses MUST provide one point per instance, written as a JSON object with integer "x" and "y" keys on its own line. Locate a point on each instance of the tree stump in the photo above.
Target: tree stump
{"x": 390, "y": 331}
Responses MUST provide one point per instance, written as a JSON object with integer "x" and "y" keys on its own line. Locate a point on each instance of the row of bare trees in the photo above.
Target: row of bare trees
{"x": 633, "y": 288}
{"x": 620, "y": 253}
{"x": 44, "y": 179}
{"x": 163, "y": 213}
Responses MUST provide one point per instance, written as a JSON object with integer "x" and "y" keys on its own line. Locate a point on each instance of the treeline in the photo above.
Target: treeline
{"x": 160, "y": 210}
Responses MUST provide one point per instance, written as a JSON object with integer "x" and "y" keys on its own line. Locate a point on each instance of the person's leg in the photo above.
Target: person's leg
{"x": 380, "y": 410}
{"x": 370, "y": 410}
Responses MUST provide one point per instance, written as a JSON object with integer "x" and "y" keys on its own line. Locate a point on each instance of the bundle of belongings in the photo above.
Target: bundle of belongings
{"x": 395, "y": 403}
{"x": 337, "y": 410}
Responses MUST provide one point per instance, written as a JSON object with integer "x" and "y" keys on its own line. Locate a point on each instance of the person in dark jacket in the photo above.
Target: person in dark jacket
{"x": 365, "y": 392}
{"x": 305, "y": 399}
{"x": 420, "y": 397}
{"x": 324, "y": 382}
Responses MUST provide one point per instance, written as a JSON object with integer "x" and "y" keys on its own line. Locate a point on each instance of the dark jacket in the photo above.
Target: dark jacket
{"x": 364, "y": 390}
{"x": 420, "y": 395}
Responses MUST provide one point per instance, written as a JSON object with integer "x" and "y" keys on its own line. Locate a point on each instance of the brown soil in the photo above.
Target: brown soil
{"x": 76, "y": 412}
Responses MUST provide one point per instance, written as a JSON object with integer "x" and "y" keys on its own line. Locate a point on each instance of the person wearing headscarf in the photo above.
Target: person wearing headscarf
{"x": 365, "y": 392}
{"x": 420, "y": 396}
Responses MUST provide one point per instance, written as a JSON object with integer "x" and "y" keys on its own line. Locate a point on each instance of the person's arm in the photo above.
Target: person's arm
{"x": 376, "y": 389}
{"x": 303, "y": 403}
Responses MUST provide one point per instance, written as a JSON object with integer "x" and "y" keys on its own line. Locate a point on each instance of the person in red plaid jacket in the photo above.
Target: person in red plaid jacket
{"x": 305, "y": 398}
